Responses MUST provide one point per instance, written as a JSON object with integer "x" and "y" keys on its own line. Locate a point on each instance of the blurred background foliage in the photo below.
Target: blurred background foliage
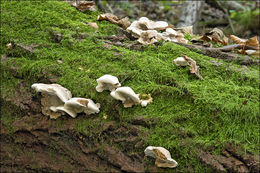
{"x": 233, "y": 17}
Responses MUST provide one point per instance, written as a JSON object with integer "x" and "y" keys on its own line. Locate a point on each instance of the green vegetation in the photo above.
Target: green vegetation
{"x": 193, "y": 113}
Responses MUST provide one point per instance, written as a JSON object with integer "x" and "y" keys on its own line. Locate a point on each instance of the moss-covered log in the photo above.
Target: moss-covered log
{"x": 197, "y": 121}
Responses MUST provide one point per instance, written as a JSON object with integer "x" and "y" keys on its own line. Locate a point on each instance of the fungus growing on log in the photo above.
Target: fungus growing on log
{"x": 77, "y": 105}
{"x": 53, "y": 95}
{"x": 107, "y": 82}
{"x": 126, "y": 95}
{"x": 162, "y": 157}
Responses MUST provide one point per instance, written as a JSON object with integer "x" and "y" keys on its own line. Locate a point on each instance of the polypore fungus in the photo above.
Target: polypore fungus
{"x": 162, "y": 156}
{"x": 77, "y": 105}
{"x": 180, "y": 61}
{"x": 126, "y": 95}
{"x": 107, "y": 82}
{"x": 53, "y": 95}
{"x": 148, "y": 37}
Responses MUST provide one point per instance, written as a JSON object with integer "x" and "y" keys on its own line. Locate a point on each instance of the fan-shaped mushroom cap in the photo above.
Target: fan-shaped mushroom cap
{"x": 77, "y": 105}
{"x": 148, "y": 37}
{"x": 145, "y": 24}
{"x": 92, "y": 107}
{"x": 53, "y": 95}
{"x": 134, "y": 29}
{"x": 53, "y": 89}
{"x": 162, "y": 156}
{"x": 126, "y": 95}
{"x": 107, "y": 82}
{"x": 180, "y": 61}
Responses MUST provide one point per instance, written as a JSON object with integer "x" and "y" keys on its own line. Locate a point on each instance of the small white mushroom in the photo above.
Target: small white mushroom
{"x": 147, "y": 100}
{"x": 180, "y": 61}
{"x": 126, "y": 95}
{"x": 53, "y": 95}
{"x": 107, "y": 82}
{"x": 162, "y": 156}
{"x": 77, "y": 105}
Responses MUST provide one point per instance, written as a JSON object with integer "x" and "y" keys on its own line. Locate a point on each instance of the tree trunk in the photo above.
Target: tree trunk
{"x": 190, "y": 14}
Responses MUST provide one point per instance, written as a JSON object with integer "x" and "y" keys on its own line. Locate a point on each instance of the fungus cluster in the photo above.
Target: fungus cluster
{"x": 147, "y": 32}
{"x": 57, "y": 100}
{"x": 124, "y": 94}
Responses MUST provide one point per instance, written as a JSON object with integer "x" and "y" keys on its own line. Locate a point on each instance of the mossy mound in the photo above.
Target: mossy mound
{"x": 221, "y": 109}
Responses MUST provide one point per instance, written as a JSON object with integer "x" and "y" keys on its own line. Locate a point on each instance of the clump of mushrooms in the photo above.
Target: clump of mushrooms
{"x": 147, "y": 32}
{"x": 53, "y": 95}
{"x": 57, "y": 100}
{"x": 162, "y": 157}
{"x": 107, "y": 82}
{"x": 77, "y": 105}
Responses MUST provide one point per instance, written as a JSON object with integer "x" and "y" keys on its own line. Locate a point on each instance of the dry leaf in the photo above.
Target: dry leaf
{"x": 251, "y": 43}
{"x": 186, "y": 29}
{"x": 193, "y": 66}
{"x": 124, "y": 23}
{"x": 218, "y": 36}
{"x": 84, "y": 5}
{"x": 237, "y": 39}
{"x": 93, "y": 25}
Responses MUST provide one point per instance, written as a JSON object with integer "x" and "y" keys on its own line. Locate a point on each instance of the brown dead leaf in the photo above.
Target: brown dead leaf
{"x": 93, "y": 25}
{"x": 124, "y": 22}
{"x": 84, "y": 5}
{"x": 194, "y": 68}
{"x": 218, "y": 36}
{"x": 237, "y": 39}
{"x": 251, "y": 43}
{"x": 186, "y": 29}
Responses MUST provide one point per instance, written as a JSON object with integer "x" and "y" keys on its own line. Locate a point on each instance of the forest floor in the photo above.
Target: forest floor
{"x": 206, "y": 125}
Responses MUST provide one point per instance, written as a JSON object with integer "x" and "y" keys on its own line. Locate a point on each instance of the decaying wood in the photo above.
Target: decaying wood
{"x": 217, "y": 53}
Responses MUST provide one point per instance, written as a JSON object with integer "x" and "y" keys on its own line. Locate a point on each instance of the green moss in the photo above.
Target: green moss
{"x": 222, "y": 108}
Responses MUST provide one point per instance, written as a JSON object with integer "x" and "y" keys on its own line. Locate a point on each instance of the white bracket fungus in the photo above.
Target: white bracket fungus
{"x": 53, "y": 95}
{"x": 77, "y": 105}
{"x": 162, "y": 156}
{"x": 126, "y": 95}
{"x": 180, "y": 61}
{"x": 107, "y": 82}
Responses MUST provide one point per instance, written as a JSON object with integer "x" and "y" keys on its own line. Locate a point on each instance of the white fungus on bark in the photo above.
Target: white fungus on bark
{"x": 126, "y": 95}
{"x": 78, "y": 105}
{"x": 53, "y": 95}
{"x": 162, "y": 156}
{"x": 107, "y": 82}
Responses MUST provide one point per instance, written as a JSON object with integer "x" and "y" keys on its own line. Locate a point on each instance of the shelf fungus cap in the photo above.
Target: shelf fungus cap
{"x": 53, "y": 89}
{"x": 145, "y": 24}
{"x": 126, "y": 95}
{"x": 162, "y": 156}
{"x": 53, "y": 95}
{"x": 134, "y": 29}
{"x": 148, "y": 37}
{"x": 180, "y": 61}
{"x": 77, "y": 105}
{"x": 107, "y": 82}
